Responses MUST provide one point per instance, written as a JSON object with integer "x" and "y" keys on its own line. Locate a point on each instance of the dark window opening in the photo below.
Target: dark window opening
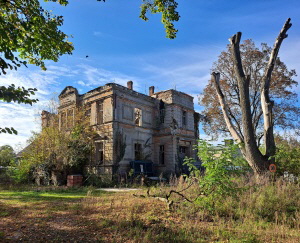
{"x": 182, "y": 149}
{"x": 161, "y": 111}
{"x": 137, "y": 151}
{"x": 162, "y": 116}
{"x": 99, "y": 153}
{"x": 184, "y": 118}
{"x": 162, "y": 154}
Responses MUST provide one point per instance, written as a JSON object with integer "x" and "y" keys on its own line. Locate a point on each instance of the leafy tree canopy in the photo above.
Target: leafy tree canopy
{"x": 7, "y": 154}
{"x": 29, "y": 34}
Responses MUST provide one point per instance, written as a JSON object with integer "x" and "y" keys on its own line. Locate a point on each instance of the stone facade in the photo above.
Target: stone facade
{"x": 159, "y": 127}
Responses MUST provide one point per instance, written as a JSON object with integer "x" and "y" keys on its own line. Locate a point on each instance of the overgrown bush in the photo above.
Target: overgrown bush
{"x": 53, "y": 153}
{"x": 222, "y": 167}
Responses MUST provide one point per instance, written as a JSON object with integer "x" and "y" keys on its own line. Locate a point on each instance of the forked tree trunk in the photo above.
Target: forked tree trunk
{"x": 258, "y": 162}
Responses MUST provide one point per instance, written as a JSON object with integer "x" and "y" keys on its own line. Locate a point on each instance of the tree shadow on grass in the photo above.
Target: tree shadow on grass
{"x": 70, "y": 228}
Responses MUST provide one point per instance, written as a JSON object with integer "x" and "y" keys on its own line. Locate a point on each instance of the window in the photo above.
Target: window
{"x": 100, "y": 113}
{"x": 162, "y": 116}
{"x": 161, "y": 111}
{"x": 137, "y": 151}
{"x": 99, "y": 153}
{"x": 183, "y": 118}
{"x": 138, "y": 117}
{"x": 70, "y": 118}
{"x": 162, "y": 154}
{"x": 182, "y": 149}
{"x": 63, "y": 119}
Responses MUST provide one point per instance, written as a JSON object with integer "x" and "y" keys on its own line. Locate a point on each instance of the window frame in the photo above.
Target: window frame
{"x": 100, "y": 113}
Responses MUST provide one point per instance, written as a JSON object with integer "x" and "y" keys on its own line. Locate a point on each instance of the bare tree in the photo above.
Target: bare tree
{"x": 247, "y": 138}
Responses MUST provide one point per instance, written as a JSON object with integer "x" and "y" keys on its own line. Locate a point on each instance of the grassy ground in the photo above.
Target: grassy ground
{"x": 88, "y": 215}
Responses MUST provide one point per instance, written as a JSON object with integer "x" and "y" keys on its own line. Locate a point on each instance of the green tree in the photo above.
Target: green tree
{"x": 7, "y": 155}
{"x": 29, "y": 34}
{"x": 55, "y": 152}
{"x": 222, "y": 167}
{"x": 287, "y": 154}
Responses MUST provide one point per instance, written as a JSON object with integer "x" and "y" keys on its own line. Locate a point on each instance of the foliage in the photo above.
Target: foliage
{"x": 56, "y": 151}
{"x": 168, "y": 10}
{"x": 20, "y": 95}
{"x": 255, "y": 61}
{"x": 32, "y": 32}
{"x": 221, "y": 168}
{"x": 287, "y": 156}
{"x": 29, "y": 33}
{"x": 7, "y": 155}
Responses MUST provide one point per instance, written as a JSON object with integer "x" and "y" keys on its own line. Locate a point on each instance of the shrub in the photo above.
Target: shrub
{"x": 221, "y": 169}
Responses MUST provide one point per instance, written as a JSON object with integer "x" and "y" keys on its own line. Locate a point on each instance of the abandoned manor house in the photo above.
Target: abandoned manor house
{"x": 161, "y": 127}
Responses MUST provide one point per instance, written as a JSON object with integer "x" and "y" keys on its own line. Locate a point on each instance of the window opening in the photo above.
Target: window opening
{"x": 138, "y": 117}
{"x": 99, "y": 153}
{"x": 161, "y": 111}
{"x": 184, "y": 118}
{"x": 137, "y": 151}
{"x": 162, "y": 154}
{"x": 100, "y": 113}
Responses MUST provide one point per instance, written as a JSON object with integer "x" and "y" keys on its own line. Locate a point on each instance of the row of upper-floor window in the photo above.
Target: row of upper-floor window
{"x": 67, "y": 117}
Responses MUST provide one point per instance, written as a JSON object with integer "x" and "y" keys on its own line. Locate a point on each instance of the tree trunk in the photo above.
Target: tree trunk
{"x": 250, "y": 150}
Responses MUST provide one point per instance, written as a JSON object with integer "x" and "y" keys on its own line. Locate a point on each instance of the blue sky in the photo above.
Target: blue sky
{"x": 122, "y": 47}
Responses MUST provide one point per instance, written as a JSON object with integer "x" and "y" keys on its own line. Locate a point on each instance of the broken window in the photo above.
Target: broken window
{"x": 137, "y": 151}
{"x": 183, "y": 118}
{"x": 182, "y": 149}
{"x": 161, "y": 111}
{"x": 138, "y": 117}
{"x": 100, "y": 113}
{"x": 99, "y": 153}
{"x": 162, "y": 154}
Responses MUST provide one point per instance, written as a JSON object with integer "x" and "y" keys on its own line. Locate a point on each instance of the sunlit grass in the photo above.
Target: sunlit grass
{"x": 86, "y": 214}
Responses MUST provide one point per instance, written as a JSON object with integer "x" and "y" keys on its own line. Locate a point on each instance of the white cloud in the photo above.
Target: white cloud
{"x": 97, "y": 77}
{"x": 25, "y": 118}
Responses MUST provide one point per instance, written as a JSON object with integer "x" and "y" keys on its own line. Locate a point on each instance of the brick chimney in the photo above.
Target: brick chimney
{"x": 151, "y": 90}
{"x": 130, "y": 85}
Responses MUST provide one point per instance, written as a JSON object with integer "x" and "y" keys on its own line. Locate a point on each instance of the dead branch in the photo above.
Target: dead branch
{"x": 166, "y": 199}
{"x": 266, "y": 103}
{"x": 231, "y": 128}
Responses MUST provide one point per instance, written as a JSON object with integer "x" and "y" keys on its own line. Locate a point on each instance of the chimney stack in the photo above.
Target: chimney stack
{"x": 151, "y": 90}
{"x": 129, "y": 85}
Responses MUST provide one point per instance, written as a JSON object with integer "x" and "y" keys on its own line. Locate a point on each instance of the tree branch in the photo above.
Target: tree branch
{"x": 216, "y": 80}
{"x": 266, "y": 103}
